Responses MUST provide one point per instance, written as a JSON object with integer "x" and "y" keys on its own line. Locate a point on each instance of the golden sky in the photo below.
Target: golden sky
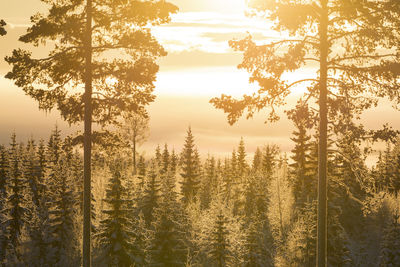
{"x": 199, "y": 66}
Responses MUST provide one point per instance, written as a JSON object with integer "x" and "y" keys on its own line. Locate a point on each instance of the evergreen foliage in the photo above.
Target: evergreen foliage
{"x": 190, "y": 169}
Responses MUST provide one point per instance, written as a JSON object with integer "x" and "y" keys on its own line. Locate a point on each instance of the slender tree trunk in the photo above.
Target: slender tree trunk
{"x": 323, "y": 136}
{"x": 134, "y": 154}
{"x": 87, "y": 139}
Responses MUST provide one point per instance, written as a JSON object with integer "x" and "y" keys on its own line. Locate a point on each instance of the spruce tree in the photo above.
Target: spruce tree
{"x": 174, "y": 162}
{"x": 62, "y": 208}
{"x": 242, "y": 166}
{"x": 208, "y": 184}
{"x": 302, "y": 178}
{"x": 151, "y": 194}
{"x": 158, "y": 156}
{"x": 389, "y": 249}
{"x": 165, "y": 160}
{"x": 115, "y": 231}
{"x": 219, "y": 242}
{"x": 167, "y": 243}
{"x": 257, "y": 160}
{"x": 4, "y": 165}
{"x": 16, "y": 208}
{"x": 190, "y": 169}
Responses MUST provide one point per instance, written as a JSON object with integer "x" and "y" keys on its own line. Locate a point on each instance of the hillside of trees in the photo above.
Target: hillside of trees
{"x": 182, "y": 210}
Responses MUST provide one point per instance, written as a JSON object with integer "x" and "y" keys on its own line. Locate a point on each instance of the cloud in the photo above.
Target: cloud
{"x": 209, "y": 31}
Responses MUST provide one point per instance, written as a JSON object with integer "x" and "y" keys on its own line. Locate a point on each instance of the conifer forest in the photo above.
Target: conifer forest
{"x": 95, "y": 197}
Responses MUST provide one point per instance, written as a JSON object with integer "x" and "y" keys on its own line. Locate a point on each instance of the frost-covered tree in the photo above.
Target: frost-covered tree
{"x": 167, "y": 241}
{"x": 165, "y": 160}
{"x": 208, "y": 185}
{"x": 3, "y": 197}
{"x": 219, "y": 242}
{"x": 390, "y": 244}
{"x": 62, "y": 208}
{"x": 257, "y": 160}
{"x": 115, "y": 232}
{"x": 16, "y": 207}
{"x": 151, "y": 194}
{"x": 190, "y": 168}
{"x": 241, "y": 159}
{"x": 302, "y": 177}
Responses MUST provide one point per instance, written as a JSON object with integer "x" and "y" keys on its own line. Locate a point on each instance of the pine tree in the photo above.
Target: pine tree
{"x": 301, "y": 244}
{"x": 30, "y": 170}
{"x": 302, "y": 178}
{"x": 174, "y": 162}
{"x": 269, "y": 161}
{"x": 96, "y": 42}
{"x": 158, "y": 156}
{"x": 314, "y": 29}
{"x": 165, "y": 160}
{"x": 62, "y": 205}
{"x": 16, "y": 200}
{"x": 258, "y": 246}
{"x": 151, "y": 194}
{"x": 4, "y": 171}
{"x": 390, "y": 244}
{"x": 208, "y": 184}
{"x": 115, "y": 231}
{"x": 141, "y": 173}
{"x": 242, "y": 166}
{"x": 190, "y": 169}
{"x": 257, "y": 160}
{"x": 166, "y": 245}
{"x": 41, "y": 167}
{"x": 219, "y": 242}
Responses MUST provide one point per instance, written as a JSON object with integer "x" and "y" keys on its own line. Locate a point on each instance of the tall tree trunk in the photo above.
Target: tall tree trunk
{"x": 323, "y": 136}
{"x": 87, "y": 139}
{"x": 134, "y": 154}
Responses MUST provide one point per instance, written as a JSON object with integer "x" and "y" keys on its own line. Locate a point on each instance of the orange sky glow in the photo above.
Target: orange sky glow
{"x": 199, "y": 66}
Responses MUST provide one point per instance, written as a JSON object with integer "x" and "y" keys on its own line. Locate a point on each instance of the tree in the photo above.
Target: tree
{"x": 389, "y": 252}
{"x": 135, "y": 130}
{"x": 165, "y": 160}
{"x": 241, "y": 159}
{"x": 86, "y": 31}
{"x": 151, "y": 194}
{"x": 315, "y": 29}
{"x": 219, "y": 242}
{"x": 209, "y": 183}
{"x": 166, "y": 246}
{"x": 2, "y": 30}
{"x": 62, "y": 204}
{"x": 190, "y": 168}
{"x": 302, "y": 175}
{"x": 4, "y": 165}
{"x": 16, "y": 201}
{"x": 116, "y": 233}
{"x": 257, "y": 160}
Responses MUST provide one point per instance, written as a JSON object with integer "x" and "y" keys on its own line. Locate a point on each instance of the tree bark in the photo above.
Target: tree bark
{"x": 134, "y": 154}
{"x": 86, "y": 259}
{"x": 323, "y": 136}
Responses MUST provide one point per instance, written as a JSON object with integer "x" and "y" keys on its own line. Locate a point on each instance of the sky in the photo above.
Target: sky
{"x": 200, "y": 65}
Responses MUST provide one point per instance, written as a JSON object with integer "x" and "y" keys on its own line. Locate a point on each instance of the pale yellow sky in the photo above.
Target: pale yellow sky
{"x": 200, "y": 65}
